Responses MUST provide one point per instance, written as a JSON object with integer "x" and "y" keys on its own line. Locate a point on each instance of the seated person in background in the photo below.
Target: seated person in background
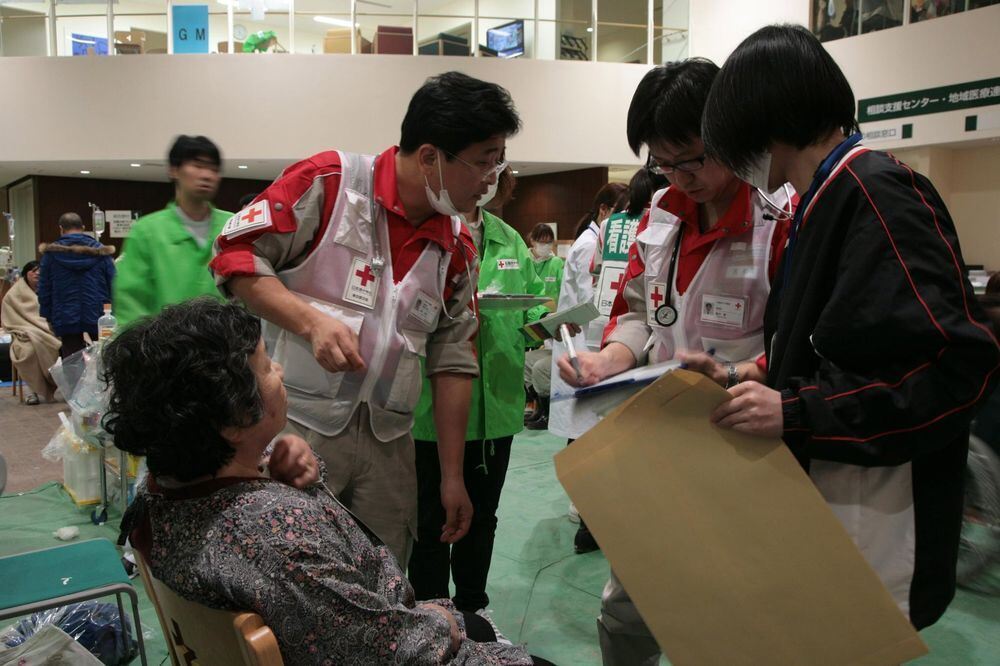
{"x": 33, "y": 347}
{"x": 193, "y": 390}
{"x": 538, "y": 362}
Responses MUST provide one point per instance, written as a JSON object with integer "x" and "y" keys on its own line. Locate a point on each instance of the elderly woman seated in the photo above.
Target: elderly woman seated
{"x": 223, "y": 524}
{"x": 33, "y": 347}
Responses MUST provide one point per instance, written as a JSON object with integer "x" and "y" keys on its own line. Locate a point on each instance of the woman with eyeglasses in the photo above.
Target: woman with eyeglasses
{"x": 696, "y": 283}
{"x": 878, "y": 354}
{"x": 495, "y": 416}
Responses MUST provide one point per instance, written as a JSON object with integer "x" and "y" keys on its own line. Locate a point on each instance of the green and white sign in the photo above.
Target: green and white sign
{"x": 619, "y": 234}
{"x": 931, "y": 100}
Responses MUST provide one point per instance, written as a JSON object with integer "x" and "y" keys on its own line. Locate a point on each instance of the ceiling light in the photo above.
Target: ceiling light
{"x": 243, "y": 166}
{"x": 590, "y": 30}
{"x": 329, "y": 20}
{"x": 84, "y": 172}
{"x": 515, "y": 172}
{"x": 135, "y": 164}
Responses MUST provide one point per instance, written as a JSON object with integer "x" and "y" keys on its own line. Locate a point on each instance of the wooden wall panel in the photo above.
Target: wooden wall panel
{"x": 58, "y": 195}
{"x": 562, "y": 197}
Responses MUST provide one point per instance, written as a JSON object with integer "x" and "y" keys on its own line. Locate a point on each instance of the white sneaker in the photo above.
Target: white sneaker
{"x": 574, "y": 515}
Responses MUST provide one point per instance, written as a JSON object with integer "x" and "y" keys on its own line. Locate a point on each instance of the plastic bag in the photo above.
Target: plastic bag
{"x": 49, "y": 645}
{"x": 79, "y": 378}
{"x": 92, "y": 624}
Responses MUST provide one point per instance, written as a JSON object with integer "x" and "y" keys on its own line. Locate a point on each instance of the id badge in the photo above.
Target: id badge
{"x": 723, "y": 310}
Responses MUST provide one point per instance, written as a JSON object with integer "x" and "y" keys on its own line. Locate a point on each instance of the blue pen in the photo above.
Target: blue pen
{"x": 710, "y": 352}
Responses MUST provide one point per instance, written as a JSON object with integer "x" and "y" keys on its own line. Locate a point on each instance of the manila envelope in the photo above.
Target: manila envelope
{"x": 727, "y": 549}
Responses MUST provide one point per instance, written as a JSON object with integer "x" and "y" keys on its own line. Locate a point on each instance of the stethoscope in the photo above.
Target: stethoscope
{"x": 378, "y": 258}
{"x": 783, "y": 212}
{"x": 666, "y": 314}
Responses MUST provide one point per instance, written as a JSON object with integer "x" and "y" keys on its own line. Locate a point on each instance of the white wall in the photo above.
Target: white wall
{"x": 718, "y": 26}
{"x": 288, "y": 106}
{"x": 953, "y": 49}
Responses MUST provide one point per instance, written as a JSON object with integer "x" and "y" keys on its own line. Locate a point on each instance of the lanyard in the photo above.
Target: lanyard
{"x": 822, "y": 173}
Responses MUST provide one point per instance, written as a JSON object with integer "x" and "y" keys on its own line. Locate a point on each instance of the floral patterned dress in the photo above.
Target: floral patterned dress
{"x": 330, "y": 591}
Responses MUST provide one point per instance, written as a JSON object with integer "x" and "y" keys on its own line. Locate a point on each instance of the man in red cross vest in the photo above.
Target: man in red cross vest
{"x": 366, "y": 275}
{"x": 697, "y": 281}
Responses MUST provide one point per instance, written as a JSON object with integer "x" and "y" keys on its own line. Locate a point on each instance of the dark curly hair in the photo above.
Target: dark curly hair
{"x": 177, "y": 380}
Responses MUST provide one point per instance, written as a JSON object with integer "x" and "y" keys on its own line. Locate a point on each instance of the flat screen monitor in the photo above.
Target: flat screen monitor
{"x": 507, "y": 39}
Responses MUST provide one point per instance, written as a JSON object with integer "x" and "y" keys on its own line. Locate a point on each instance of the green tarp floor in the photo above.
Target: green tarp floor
{"x": 541, "y": 593}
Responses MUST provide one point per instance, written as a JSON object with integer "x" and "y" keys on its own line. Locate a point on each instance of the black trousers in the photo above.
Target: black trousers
{"x": 468, "y": 560}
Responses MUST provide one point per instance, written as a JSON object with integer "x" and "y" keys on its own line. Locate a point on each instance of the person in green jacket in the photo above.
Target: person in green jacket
{"x": 548, "y": 265}
{"x": 538, "y": 362}
{"x": 165, "y": 257}
{"x": 496, "y": 415}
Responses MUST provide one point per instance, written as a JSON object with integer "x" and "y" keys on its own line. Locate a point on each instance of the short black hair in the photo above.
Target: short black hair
{"x": 177, "y": 380}
{"x": 70, "y": 221}
{"x": 540, "y": 231}
{"x": 779, "y": 85}
{"x": 189, "y": 148}
{"x": 641, "y": 188}
{"x": 668, "y": 102}
{"x": 453, "y": 111}
{"x": 28, "y": 267}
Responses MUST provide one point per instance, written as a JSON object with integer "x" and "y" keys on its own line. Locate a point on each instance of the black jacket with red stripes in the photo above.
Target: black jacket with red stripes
{"x": 881, "y": 351}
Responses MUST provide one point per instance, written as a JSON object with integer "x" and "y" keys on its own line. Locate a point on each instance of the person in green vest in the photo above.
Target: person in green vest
{"x": 495, "y": 416}
{"x": 165, "y": 257}
{"x": 548, "y": 265}
{"x": 538, "y": 362}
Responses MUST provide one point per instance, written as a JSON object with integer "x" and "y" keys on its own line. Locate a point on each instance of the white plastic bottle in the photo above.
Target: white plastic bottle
{"x": 106, "y": 324}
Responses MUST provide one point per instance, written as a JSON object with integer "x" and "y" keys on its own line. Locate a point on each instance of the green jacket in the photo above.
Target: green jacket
{"x": 550, "y": 271}
{"x": 162, "y": 264}
{"x": 497, "y": 408}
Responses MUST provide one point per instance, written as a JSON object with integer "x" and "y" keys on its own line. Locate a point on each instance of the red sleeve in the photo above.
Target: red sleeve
{"x": 237, "y": 254}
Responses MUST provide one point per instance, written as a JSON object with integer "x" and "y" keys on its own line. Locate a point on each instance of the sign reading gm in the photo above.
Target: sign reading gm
{"x": 190, "y": 29}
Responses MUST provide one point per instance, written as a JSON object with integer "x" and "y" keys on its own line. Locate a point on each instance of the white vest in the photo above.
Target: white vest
{"x": 723, "y": 305}
{"x": 393, "y": 321}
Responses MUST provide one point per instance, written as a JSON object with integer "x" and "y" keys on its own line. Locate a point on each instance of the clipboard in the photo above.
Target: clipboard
{"x": 510, "y": 301}
{"x": 546, "y": 328}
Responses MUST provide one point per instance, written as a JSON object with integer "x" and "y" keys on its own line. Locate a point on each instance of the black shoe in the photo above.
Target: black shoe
{"x": 584, "y": 541}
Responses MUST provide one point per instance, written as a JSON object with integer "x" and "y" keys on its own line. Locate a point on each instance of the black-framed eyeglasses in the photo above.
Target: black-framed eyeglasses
{"x": 485, "y": 171}
{"x": 664, "y": 169}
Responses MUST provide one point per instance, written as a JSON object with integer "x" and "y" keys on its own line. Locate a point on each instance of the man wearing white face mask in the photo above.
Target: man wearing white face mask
{"x": 695, "y": 286}
{"x": 494, "y": 418}
{"x": 363, "y": 269}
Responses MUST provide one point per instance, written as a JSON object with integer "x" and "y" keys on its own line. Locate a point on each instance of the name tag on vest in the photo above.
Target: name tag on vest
{"x": 723, "y": 310}
{"x": 508, "y": 264}
{"x": 362, "y": 285}
{"x": 425, "y": 309}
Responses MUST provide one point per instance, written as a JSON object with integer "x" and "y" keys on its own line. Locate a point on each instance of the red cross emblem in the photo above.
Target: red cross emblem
{"x": 739, "y": 306}
{"x": 656, "y": 297}
{"x": 251, "y": 215}
{"x": 365, "y": 275}
{"x": 618, "y": 283}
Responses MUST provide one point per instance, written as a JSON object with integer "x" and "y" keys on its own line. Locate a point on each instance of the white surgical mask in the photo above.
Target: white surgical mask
{"x": 490, "y": 193}
{"x": 760, "y": 173}
{"x": 440, "y": 202}
{"x": 541, "y": 251}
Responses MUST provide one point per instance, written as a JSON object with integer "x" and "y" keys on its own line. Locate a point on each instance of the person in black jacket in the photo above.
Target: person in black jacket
{"x": 878, "y": 354}
{"x": 77, "y": 272}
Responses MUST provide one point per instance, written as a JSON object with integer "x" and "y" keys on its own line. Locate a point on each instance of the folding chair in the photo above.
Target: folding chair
{"x": 61, "y": 575}
{"x": 199, "y": 634}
